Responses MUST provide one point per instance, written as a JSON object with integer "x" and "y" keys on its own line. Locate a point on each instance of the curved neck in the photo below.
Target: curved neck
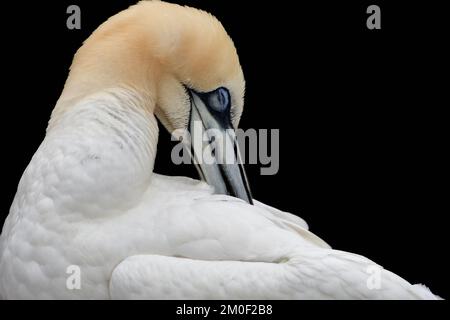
{"x": 108, "y": 142}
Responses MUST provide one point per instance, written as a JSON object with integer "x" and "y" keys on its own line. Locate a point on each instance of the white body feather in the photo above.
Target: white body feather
{"x": 89, "y": 198}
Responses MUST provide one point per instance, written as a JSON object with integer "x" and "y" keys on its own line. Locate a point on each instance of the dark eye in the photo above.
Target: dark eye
{"x": 219, "y": 99}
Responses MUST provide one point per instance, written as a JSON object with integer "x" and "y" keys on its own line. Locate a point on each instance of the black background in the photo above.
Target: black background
{"x": 361, "y": 114}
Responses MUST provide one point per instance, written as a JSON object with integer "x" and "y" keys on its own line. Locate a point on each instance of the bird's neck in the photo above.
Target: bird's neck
{"x": 106, "y": 115}
{"x": 109, "y": 143}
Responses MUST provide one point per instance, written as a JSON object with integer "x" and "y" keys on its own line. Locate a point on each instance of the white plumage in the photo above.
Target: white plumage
{"x": 89, "y": 198}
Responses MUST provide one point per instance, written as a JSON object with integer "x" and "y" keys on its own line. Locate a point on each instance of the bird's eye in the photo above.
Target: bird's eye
{"x": 219, "y": 100}
{"x": 223, "y": 96}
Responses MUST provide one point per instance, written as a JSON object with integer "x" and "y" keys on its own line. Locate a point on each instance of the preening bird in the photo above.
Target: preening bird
{"x": 89, "y": 198}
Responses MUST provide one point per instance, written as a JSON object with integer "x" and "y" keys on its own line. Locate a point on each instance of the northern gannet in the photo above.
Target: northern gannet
{"x": 89, "y": 197}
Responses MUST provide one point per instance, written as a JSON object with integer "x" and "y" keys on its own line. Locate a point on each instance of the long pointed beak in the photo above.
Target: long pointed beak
{"x": 214, "y": 149}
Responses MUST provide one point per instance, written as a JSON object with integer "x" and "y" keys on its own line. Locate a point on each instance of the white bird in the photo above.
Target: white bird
{"x": 89, "y": 198}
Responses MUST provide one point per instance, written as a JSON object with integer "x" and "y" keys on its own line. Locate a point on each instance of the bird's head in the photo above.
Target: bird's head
{"x": 183, "y": 62}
